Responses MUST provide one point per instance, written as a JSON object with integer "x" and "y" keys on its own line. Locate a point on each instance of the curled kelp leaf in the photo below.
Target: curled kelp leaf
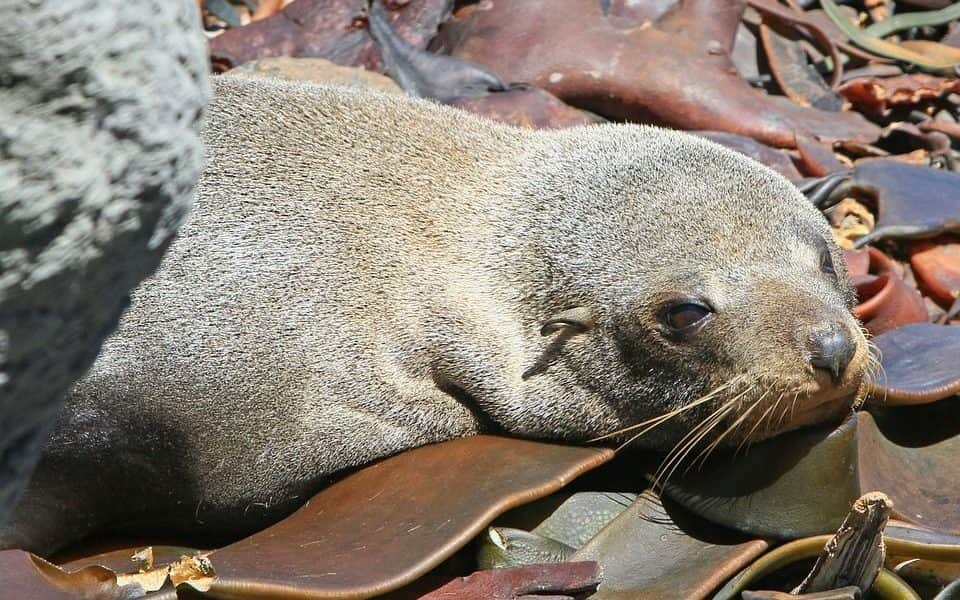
{"x": 526, "y": 106}
{"x": 798, "y": 79}
{"x": 935, "y": 51}
{"x": 802, "y": 483}
{"x": 23, "y": 575}
{"x": 911, "y": 201}
{"x": 554, "y": 537}
{"x": 561, "y": 581}
{"x": 817, "y": 159}
{"x": 771, "y": 10}
{"x": 424, "y": 74}
{"x": 918, "y": 365}
{"x": 910, "y": 20}
{"x": 324, "y": 29}
{"x": 427, "y": 503}
{"x": 935, "y": 144}
{"x": 829, "y": 37}
{"x": 936, "y": 266}
{"x": 927, "y": 58}
{"x": 907, "y": 453}
{"x": 674, "y": 71}
{"x": 949, "y": 128}
{"x": 877, "y": 96}
{"x": 651, "y": 551}
{"x": 467, "y": 85}
{"x": 886, "y": 301}
{"x": 776, "y": 159}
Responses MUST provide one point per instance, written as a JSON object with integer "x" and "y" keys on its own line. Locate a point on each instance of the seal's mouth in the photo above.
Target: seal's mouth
{"x": 764, "y": 409}
{"x": 809, "y": 410}
{"x": 816, "y": 400}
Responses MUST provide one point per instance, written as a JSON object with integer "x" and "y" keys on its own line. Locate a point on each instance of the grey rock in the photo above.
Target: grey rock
{"x": 99, "y": 155}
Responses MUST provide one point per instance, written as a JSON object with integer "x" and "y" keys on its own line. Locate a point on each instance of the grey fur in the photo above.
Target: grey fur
{"x": 99, "y": 154}
{"x": 366, "y": 273}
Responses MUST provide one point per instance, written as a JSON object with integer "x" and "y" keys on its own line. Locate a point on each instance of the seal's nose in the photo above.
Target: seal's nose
{"x": 832, "y": 349}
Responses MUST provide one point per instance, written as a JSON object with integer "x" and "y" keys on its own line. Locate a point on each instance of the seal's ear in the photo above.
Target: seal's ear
{"x": 577, "y": 320}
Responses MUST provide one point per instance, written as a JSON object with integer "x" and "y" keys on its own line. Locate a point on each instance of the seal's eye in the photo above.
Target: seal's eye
{"x": 826, "y": 263}
{"x": 686, "y": 317}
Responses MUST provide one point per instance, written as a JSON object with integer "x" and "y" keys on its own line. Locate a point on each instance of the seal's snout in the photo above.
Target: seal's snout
{"x": 832, "y": 349}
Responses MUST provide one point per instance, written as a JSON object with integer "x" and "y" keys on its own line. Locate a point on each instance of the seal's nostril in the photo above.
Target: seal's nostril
{"x": 832, "y": 350}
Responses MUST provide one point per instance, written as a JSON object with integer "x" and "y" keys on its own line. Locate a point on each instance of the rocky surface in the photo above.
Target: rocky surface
{"x": 99, "y": 154}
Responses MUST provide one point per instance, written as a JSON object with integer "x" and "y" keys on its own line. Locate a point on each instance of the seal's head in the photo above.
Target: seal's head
{"x": 706, "y": 283}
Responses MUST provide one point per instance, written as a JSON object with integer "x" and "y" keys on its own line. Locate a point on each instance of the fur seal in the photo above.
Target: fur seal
{"x": 364, "y": 273}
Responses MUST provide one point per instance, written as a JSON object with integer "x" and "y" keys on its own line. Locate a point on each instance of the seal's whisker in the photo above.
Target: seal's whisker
{"x": 768, "y": 426}
{"x": 784, "y": 412}
{"x": 874, "y": 354}
{"x": 704, "y": 425}
{"x": 693, "y": 437}
{"x": 635, "y": 437}
{"x": 668, "y": 415}
{"x": 793, "y": 405}
{"x": 870, "y": 371}
{"x": 693, "y": 443}
{"x": 715, "y": 443}
{"x": 874, "y": 371}
{"x": 650, "y": 424}
{"x": 653, "y": 422}
{"x": 874, "y": 357}
{"x": 704, "y": 454}
{"x": 745, "y": 443}
{"x": 631, "y": 440}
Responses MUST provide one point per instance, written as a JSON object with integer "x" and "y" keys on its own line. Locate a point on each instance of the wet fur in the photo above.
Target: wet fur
{"x": 363, "y": 274}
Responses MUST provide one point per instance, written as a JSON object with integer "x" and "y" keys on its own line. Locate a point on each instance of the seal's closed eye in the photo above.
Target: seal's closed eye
{"x": 579, "y": 320}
